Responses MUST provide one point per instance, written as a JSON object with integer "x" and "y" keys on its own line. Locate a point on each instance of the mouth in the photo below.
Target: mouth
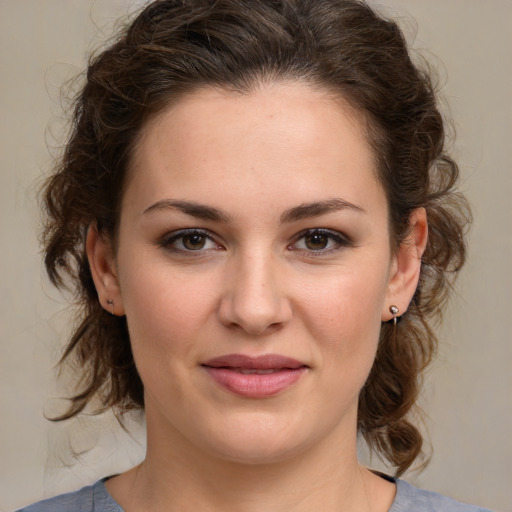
{"x": 255, "y": 377}
{"x": 247, "y": 371}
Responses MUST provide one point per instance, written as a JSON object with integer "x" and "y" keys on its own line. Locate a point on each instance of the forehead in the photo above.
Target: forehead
{"x": 281, "y": 135}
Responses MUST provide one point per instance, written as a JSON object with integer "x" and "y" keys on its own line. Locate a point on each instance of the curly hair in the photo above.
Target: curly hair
{"x": 176, "y": 46}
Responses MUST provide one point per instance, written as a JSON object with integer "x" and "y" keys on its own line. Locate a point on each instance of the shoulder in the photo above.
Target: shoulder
{"x": 410, "y": 498}
{"x": 94, "y": 498}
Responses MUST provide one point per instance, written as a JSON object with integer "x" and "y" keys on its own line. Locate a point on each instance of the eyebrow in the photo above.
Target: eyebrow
{"x": 315, "y": 209}
{"x": 303, "y": 211}
{"x": 191, "y": 208}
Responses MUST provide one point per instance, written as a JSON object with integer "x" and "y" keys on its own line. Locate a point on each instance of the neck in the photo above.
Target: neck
{"x": 326, "y": 476}
{"x": 298, "y": 483}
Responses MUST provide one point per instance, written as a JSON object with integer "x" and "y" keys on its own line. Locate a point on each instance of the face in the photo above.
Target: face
{"x": 254, "y": 268}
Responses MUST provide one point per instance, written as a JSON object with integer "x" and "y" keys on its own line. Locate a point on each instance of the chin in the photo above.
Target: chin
{"x": 261, "y": 442}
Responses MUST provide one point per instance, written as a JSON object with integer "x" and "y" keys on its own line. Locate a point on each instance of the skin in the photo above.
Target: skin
{"x": 251, "y": 282}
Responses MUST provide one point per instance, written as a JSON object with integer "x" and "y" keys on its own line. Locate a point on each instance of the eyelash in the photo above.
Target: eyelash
{"x": 168, "y": 240}
{"x": 337, "y": 239}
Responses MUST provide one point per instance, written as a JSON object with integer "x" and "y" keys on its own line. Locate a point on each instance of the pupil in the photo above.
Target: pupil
{"x": 316, "y": 241}
{"x": 194, "y": 242}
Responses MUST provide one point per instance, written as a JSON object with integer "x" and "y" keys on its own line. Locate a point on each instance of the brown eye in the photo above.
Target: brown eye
{"x": 316, "y": 241}
{"x": 189, "y": 241}
{"x": 194, "y": 242}
{"x": 320, "y": 241}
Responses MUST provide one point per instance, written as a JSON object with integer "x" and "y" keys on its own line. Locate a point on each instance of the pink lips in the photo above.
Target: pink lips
{"x": 254, "y": 377}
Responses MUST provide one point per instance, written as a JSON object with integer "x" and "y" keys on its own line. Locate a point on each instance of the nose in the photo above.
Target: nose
{"x": 253, "y": 298}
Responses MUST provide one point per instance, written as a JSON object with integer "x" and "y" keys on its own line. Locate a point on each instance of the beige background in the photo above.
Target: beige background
{"x": 468, "y": 393}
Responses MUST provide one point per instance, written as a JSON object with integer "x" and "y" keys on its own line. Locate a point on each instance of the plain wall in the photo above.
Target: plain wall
{"x": 468, "y": 392}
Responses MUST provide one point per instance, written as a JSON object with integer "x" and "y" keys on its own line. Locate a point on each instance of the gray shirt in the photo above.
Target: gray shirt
{"x": 96, "y": 498}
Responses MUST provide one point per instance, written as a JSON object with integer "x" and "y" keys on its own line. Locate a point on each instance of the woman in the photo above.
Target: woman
{"x": 260, "y": 220}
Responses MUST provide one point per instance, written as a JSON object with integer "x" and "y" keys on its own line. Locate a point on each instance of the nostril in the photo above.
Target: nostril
{"x": 252, "y": 299}
{"x": 256, "y": 330}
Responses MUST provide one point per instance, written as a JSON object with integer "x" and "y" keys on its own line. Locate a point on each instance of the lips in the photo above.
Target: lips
{"x": 255, "y": 377}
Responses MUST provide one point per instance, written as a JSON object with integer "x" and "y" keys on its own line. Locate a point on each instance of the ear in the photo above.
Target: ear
{"x": 406, "y": 266}
{"x": 101, "y": 256}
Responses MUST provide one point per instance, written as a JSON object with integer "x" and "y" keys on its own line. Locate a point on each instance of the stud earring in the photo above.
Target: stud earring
{"x": 394, "y": 311}
{"x": 110, "y": 302}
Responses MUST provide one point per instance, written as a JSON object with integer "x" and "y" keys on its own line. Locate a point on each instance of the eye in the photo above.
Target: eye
{"x": 189, "y": 240}
{"x": 320, "y": 241}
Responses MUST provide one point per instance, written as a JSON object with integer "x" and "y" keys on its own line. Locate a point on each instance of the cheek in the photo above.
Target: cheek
{"x": 164, "y": 309}
{"x": 153, "y": 292}
{"x": 344, "y": 315}
{"x": 163, "y": 317}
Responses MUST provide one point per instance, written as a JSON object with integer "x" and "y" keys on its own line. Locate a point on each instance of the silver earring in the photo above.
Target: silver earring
{"x": 110, "y": 302}
{"x": 394, "y": 311}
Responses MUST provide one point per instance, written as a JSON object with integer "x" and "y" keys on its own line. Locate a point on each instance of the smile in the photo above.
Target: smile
{"x": 254, "y": 377}
{"x": 246, "y": 371}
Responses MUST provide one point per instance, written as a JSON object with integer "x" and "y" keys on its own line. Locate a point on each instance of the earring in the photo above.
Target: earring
{"x": 110, "y": 302}
{"x": 394, "y": 311}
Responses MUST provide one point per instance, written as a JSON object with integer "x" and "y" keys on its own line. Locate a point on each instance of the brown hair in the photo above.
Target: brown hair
{"x": 175, "y": 46}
